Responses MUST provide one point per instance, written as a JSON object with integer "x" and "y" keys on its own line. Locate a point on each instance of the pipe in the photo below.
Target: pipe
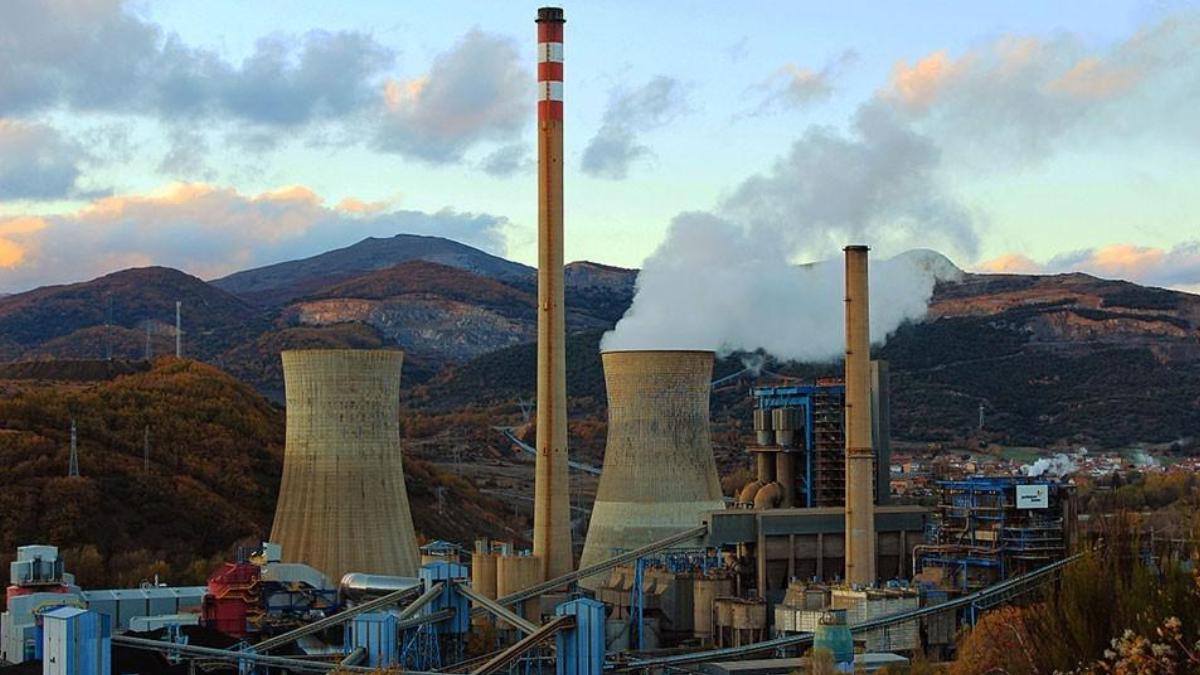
{"x": 356, "y": 587}
{"x": 860, "y": 507}
{"x": 768, "y": 497}
{"x": 552, "y": 487}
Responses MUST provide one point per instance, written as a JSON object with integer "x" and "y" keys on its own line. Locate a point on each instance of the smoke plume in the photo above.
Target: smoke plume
{"x": 1057, "y": 466}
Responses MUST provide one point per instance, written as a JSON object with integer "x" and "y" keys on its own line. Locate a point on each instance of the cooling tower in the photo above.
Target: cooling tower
{"x": 552, "y": 487}
{"x": 860, "y": 507}
{"x": 342, "y": 503}
{"x": 659, "y": 476}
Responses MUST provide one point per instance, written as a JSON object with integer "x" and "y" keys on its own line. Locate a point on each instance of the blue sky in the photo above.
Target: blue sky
{"x": 213, "y": 136}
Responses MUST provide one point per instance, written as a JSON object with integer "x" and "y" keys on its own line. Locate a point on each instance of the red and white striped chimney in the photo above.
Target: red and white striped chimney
{"x": 552, "y": 488}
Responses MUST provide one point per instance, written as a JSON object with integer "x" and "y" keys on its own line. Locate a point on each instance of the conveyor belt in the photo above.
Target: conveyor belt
{"x": 393, "y": 598}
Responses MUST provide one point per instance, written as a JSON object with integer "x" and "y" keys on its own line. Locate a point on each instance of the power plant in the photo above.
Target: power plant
{"x": 659, "y": 475}
{"x": 673, "y": 574}
{"x": 343, "y": 506}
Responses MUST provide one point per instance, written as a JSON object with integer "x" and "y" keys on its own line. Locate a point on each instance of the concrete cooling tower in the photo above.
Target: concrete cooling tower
{"x": 659, "y": 475}
{"x": 342, "y": 505}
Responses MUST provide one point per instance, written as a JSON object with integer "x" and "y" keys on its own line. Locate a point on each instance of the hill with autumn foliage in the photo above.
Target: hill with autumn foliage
{"x": 216, "y": 448}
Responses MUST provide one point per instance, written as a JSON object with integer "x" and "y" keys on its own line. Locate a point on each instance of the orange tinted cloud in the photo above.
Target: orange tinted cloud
{"x": 917, "y": 86}
{"x": 1176, "y": 267}
{"x": 1010, "y": 263}
{"x": 210, "y": 231}
{"x": 1092, "y": 79}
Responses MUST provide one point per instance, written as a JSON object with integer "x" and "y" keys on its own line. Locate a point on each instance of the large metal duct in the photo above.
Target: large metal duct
{"x": 552, "y": 487}
{"x": 860, "y": 506}
{"x": 342, "y": 504}
{"x": 659, "y": 474}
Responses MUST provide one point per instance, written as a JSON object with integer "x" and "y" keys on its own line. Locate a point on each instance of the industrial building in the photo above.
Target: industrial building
{"x": 659, "y": 476}
{"x": 343, "y": 506}
{"x": 986, "y": 529}
{"x": 808, "y": 553}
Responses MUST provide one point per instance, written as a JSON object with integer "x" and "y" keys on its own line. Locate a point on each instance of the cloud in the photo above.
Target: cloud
{"x": 37, "y": 162}
{"x": 615, "y": 147}
{"x": 480, "y": 90}
{"x": 508, "y": 160}
{"x": 1019, "y": 99}
{"x": 210, "y": 232}
{"x": 795, "y": 87}
{"x": 878, "y": 184}
{"x": 96, "y": 56}
{"x": 1177, "y": 267}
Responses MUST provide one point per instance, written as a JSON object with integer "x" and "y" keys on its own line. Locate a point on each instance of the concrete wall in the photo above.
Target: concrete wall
{"x": 343, "y": 506}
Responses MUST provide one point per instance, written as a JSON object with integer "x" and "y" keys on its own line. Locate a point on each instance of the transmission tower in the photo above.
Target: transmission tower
{"x": 73, "y": 466}
{"x": 178, "y": 332}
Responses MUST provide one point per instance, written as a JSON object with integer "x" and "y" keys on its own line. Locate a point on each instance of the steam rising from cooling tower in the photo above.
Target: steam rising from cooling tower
{"x": 659, "y": 475}
{"x": 343, "y": 506}
{"x": 713, "y": 285}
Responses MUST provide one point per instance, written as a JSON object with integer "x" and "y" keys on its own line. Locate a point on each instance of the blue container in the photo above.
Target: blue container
{"x": 450, "y": 598}
{"x": 376, "y": 633}
{"x": 833, "y": 634}
{"x": 581, "y": 649}
{"x": 77, "y": 642}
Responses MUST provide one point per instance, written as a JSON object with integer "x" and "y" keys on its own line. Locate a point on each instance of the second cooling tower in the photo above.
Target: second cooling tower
{"x": 659, "y": 475}
{"x": 343, "y": 506}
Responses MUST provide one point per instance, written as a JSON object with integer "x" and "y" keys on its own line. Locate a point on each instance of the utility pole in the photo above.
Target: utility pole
{"x": 108, "y": 317}
{"x": 149, "y": 350}
{"x": 178, "y": 332}
{"x": 73, "y": 463}
{"x": 981, "y": 416}
{"x": 146, "y": 450}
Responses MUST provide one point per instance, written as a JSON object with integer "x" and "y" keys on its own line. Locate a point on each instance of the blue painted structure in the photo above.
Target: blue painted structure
{"x": 450, "y": 598}
{"x": 1017, "y": 539}
{"x": 76, "y": 642}
{"x": 377, "y": 633}
{"x": 581, "y": 648}
{"x": 799, "y": 396}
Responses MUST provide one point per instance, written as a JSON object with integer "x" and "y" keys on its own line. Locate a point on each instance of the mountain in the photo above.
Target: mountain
{"x": 282, "y": 282}
{"x": 432, "y": 310}
{"x": 1053, "y": 358}
{"x": 70, "y": 321}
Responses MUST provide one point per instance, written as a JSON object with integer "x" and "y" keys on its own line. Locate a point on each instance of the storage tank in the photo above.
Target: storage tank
{"x": 484, "y": 573}
{"x": 515, "y": 573}
{"x": 659, "y": 475}
{"x": 707, "y": 590}
{"x": 342, "y": 503}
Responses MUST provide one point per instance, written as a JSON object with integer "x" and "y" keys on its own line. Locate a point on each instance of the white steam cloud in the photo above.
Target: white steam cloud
{"x": 713, "y": 285}
{"x": 1057, "y": 466}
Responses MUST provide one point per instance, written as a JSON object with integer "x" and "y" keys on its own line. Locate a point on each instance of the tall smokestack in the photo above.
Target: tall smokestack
{"x": 659, "y": 474}
{"x": 552, "y": 508}
{"x": 860, "y": 507}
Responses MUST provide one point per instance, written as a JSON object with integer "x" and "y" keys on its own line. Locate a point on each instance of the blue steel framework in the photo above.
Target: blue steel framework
{"x": 979, "y": 527}
{"x": 799, "y": 396}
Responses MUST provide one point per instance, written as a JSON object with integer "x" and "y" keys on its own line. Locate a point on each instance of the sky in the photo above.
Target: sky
{"x": 1012, "y": 137}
